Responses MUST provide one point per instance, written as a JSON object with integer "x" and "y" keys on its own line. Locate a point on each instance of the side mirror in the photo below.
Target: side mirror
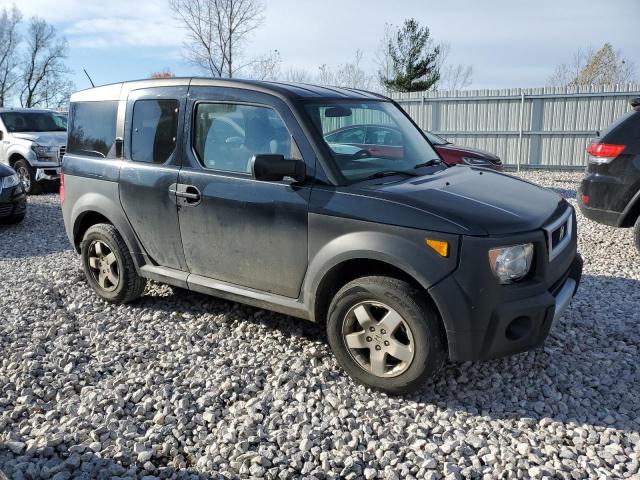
{"x": 273, "y": 168}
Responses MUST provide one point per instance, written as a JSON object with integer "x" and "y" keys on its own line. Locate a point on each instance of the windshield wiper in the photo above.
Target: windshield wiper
{"x": 429, "y": 163}
{"x": 388, "y": 173}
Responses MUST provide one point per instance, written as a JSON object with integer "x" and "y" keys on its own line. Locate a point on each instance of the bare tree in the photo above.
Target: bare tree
{"x": 325, "y": 75}
{"x": 351, "y": 74}
{"x": 164, "y": 73}
{"x": 452, "y": 76}
{"x": 218, "y": 31}
{"x": 297, "y": 75}
{"x": 9, "y": 41}
{"x": 266, "y": 67}
{"x": 383, "y": 58}
{"x": 606, "y": 66}
{"x": 43, "y": 70}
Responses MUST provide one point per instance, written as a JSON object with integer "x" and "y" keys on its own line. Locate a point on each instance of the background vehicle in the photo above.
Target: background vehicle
{"x": 231, "y": 188}
{"x": 13, "y": 200}
{"x": 386, "y": 141}
{"x": 610, "y": 192}
{"x": 33, "y": 143}
{"x": 454, "y": 154}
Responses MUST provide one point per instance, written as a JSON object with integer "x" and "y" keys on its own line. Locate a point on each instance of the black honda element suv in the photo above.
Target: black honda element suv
{"x": 231, "y": 188}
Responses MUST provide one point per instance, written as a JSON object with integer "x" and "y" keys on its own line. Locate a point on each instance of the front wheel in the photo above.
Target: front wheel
{"x": 27, "y": 176}
{"x": 108, "y": 265}
{"x": 385, "y": 335}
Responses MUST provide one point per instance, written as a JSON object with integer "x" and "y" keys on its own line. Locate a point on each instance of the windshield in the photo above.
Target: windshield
{"x": 32, "y": 122}
{"x": 435, "y": 139}
{"x": 371, "y": 138}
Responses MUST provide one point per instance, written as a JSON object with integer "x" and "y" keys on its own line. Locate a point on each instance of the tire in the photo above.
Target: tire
{"x": 636, "y": 234}
{"x": 28, "y": 177}
{"x": 108, "y": 265}
{"x": 12, "y": 219}
{"x": 419, "y": 333}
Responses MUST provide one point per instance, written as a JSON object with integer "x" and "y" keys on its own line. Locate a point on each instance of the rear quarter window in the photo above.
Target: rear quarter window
{"x": 92, "y": 129}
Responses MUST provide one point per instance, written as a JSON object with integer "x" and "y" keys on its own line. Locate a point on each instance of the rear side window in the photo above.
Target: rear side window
{"x": 92, "y": 128}
{"x": 154, "y": 129}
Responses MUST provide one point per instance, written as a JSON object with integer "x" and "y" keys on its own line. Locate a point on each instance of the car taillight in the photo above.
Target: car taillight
{"x": 61, "y": 187}
{"x": 604, "y": 152}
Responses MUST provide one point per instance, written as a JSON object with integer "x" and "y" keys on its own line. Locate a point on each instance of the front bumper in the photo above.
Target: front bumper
{"x": 47, "y": 173}
{"x": 13, "y": 201}
{"x": 484, "y": 319}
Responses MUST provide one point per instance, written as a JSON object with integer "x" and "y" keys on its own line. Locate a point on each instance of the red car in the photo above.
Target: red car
{"x": 386, "y": 141}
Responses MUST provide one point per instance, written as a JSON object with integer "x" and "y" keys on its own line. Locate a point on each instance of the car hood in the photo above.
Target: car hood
{"x": 5, "y": 171}
{"x": 468, "y": 200}
{"x": 43, "y": 138}
{"x": 471, "y": 152}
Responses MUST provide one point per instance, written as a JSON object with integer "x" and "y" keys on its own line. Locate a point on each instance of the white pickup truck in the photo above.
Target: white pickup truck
{"x": 33, "y": 142}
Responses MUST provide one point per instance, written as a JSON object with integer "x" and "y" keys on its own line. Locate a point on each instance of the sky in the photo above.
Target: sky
{"x": 509, "y": 43}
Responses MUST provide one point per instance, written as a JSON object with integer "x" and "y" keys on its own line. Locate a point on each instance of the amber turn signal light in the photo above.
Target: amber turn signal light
{"x": 440, "y": 246}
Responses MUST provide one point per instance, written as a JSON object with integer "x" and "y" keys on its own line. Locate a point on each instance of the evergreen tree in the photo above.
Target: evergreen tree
{"x": 414, "y": 62}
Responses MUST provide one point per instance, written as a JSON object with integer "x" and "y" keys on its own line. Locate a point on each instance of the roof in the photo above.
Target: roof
{"x": 117, "y": 91}
{"x": 21, "y": 109}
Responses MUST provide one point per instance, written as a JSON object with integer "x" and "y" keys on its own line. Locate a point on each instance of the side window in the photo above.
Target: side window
{"x": 383, "y": 136}
{"x": 227, "y": 135}
{"x": 92, "y": 128}
{"x": 350, "y": 135}
{"x": 153, "y": 130}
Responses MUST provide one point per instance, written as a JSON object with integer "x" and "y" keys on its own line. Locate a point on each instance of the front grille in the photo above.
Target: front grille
{"x": 61, "y": 151}
{"x": 559, "y": 233}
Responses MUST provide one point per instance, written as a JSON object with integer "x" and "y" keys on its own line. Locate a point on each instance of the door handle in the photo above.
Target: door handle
{"x": 186, "y": 195}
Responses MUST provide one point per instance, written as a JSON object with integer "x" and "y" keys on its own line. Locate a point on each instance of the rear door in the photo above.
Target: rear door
{"x": 153, "y": 133}
{"x": 234, "y": 228}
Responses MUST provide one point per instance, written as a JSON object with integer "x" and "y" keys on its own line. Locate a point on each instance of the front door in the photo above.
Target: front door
{"x": 234, "y": 228}
{"x": 153, "y": 132}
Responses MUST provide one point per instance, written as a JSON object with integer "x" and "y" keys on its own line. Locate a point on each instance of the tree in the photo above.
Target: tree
{"x": 297, "y": 75}
{"x": 9, "y": 41}
{"x": 606, "y": 66}
{"x": 43, "y": 69}
{"x": 266, "y": 67}
{"x": 347, "y": 75}
{"x": 217, "y": 31}
{"x": 164, "y": 73}
{"x": 414, "y": 65}
{"x": 452, "y": 77}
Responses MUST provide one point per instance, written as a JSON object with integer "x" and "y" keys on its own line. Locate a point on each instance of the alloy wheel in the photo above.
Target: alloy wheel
{"x": 378, "y": 339}
{"x": 25, "y": 177}
{"x": 103, "y": 266}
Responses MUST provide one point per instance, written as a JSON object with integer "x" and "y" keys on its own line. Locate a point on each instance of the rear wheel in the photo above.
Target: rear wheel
{"x": 27, "y": 176}
{"x": 108, "y": 265}
{"x": 385, "y": 335}
{"x": 636, "y": 233}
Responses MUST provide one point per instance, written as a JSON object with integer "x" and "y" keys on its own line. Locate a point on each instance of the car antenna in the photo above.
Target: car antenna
{"x": 87, "y": 74}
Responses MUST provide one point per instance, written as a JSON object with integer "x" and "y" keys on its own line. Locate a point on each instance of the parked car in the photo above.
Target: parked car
{"x": 386, "y": 141}
{"x": 33, "y": 142}
{"x": 227, "y": 187}
{"x": 610, "y": 191}
{"x": 455, "y": 155}
{"x": 13, "y": 200}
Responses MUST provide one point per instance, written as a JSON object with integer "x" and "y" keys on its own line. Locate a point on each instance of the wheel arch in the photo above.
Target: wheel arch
{"x": 631, "y": 212}
{"x": 14, "y": 157}
{"x": 93, "y": 208}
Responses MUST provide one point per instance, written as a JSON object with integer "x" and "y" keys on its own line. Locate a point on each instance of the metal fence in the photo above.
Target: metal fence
{"x": 535, "y": 127}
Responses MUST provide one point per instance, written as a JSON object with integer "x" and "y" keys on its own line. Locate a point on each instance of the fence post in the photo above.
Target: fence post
{"x": 520, "y": 129}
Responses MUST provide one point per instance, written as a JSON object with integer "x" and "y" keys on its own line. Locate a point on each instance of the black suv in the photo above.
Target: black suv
{"x": 229, "y": 188}
{"x": 610, "y": 192}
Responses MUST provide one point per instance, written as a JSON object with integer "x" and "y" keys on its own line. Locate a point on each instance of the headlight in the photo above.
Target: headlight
{"x": 476, "y": 161}
{"x": 42, "y": 150}
{"x": 10, "y": 181}
{"x": 510, "y": 264}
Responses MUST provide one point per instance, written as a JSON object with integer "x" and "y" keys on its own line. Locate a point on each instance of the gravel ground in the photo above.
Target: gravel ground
{"x": 187, "y": 386}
